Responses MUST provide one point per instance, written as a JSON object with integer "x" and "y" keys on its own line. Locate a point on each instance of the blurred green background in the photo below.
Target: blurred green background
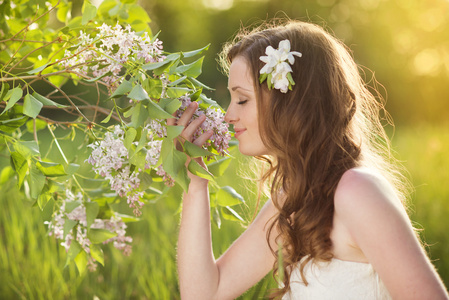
{"x": 404, "y": 42}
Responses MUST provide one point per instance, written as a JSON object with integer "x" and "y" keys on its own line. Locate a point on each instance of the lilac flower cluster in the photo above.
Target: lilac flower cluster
{"x": 214, "y": 121}
{"x": 112, "y": 48}
{"x": 156, "y": 130}
{"x": 79, "y": 231}
{"x": 109, "y": 158}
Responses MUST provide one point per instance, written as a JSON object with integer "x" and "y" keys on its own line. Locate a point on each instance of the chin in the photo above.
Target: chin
{"x": 250, "y": 150}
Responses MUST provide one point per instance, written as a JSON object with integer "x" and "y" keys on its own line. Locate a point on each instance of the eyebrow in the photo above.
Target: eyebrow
{"x": 238, "y": 87}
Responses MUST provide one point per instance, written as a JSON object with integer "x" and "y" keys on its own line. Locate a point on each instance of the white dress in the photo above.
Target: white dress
{"x": 337, "y": 280}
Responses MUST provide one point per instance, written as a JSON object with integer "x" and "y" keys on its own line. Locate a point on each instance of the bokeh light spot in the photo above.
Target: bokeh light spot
{"x": 218, "y": 4}
{"x": 427, "y": 62}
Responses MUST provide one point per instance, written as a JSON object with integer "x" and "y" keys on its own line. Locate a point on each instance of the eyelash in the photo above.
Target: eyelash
{"x": 242, "y": 102}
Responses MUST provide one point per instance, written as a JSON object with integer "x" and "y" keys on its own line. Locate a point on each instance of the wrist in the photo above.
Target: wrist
{"x": 196, "y": 181}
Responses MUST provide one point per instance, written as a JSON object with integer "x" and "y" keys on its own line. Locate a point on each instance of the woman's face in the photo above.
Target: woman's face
{"x": 242, "y": 111}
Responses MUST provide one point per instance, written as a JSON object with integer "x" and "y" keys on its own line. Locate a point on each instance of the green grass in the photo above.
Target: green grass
{"x": 32, "y": 264}
{"x": 423, "y": 150}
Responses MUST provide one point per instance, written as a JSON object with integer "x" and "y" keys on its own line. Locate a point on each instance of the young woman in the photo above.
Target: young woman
{"x": 299, "y": 103}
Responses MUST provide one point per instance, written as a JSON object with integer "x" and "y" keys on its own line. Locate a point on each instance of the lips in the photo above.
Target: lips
{"x": 238, "y": 131}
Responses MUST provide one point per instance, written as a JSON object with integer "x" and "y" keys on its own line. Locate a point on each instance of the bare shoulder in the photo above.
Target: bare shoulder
{"x": 362, "y": 189}
{"x": 368, "y": 207}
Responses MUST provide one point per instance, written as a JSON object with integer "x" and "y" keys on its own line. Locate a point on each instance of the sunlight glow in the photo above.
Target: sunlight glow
{"x": 427, "y": 62}
{"x": 218, "y": 4}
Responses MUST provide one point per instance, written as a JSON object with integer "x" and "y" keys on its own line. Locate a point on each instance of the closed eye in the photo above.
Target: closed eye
{"x": 242, "y": 102}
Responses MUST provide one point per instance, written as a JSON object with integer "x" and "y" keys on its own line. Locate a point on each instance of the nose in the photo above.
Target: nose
{"x": 230, "y": 116}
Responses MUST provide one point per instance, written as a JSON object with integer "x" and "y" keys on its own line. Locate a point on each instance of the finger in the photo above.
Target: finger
{"x": 172, "y": 121}
{"x": 187, "y": 115}
{"x": 190, "y": 130}
{"x": 202, "y": 139}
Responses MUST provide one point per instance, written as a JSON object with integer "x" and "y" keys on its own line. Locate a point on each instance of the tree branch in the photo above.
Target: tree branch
{"x": 67, "y": 97}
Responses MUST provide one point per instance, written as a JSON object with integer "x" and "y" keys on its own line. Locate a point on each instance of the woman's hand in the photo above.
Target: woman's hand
{"x": 189, "y": 131}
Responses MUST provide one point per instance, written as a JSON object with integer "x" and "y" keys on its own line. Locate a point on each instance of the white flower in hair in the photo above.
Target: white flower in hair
{"x": 277, "y": 66}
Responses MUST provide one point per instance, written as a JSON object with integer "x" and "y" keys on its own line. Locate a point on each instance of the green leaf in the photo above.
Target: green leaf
{"x": 13, "y": 95}
{"x": 6, "y": 174}
{"x": 227, "y": 196}
{"x": 126, "y": 218}
{"x": 97, "y": 253}
{"x": 106, "y": 6}
{"x": 142, "y": 141}
{"x": 114, "y": 10}
{"x": 72, "y": 168}
{"x": 27, "y": 148}
{"x": 137, "y": 13}
{"x": 122, "y": 89}
{"x": 154, "y": 87}
{"x": 172, "y": 160}
{"x": 98, "y": 77}
{"x": 139, "y": 116}
{"x": 37, "y": 182}
{"x": 74, "y": 249}
{"x": 11, "y": 125}
{"x": 170, "y": 105}
{"x": 177, "y": 81}
{"x": 71, "y": 205}
{"x": 81, "y": 261}
{"x": 128, "y": 111}
{"x": 182, "y": 179}
{"x": 130, "y": 135}
{"x": 46, "y": 101}
{"x": 75, "y": 23}
{"x": 197, "y": 170}
{"x": 92, "y": 210}
{"x": 138, "y": 93}
{"x": 290, "y": 79}
{"x": 4, "y": 90}
{"x": 199, "y": 84}
{"x": 196, "y": 95}
{"x": 31, "y": 106}
{"x": 174, "y": 131}
{"x": 230, "y": 214}
{"x": 145, "y": 180}
{"x": 270, "y": 84}
{"x": 195, "y": 52}
{"x": 158, "y": 67}
{"x": 176, "y": 92}
{"x": 89, "y": 12}
{"x": 208, "y": 102}
{"x": 173, "y": 57}
{"x": 139, "y": 159}
{"x": 97, "y": 236}
{"x": 156, "y": 112}
{"x": 195, "y": 151}
{"x": 191, "y": 70}
{"x": 43, "y": 199}
{"x": 20, "y": 165}
{"x": 68, "y": 226}
{"x": 216, "y": 218}
{"x": 47, "y": 211}
{"x": 64, "y": 12}
{"x": 105, "y": 120}
{"x": 40, "y": 124}
{"x": 51, "y": 169}
{"x": 219, "y": 167}
{"x": 37, "y": 70}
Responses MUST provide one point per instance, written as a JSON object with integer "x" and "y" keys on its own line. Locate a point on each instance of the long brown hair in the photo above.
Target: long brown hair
{"x": 327, "y": 124}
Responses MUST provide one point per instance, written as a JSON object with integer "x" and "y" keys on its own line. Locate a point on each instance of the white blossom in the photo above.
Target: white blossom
{"x": 111, "y": 49}
{"x": 276, "y": 65}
